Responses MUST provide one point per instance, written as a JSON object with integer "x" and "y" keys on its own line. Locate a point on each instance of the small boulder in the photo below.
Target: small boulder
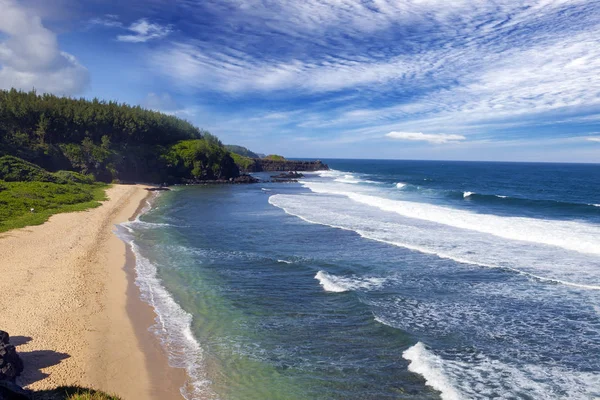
{"x": 11, "y": 365}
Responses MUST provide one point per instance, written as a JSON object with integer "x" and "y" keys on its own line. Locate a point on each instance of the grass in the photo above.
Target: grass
{"x": 46, "y": 198}
{"x": 241, "y": 161}
{"x": 275, "y": 157}
{"x": 72, "y": 393}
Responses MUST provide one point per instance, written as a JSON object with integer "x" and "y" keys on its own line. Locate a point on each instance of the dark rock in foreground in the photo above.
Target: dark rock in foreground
{"x": 287, "y": 176}
{"x": 12, "y": 391}
{"x": 11, "y": 365}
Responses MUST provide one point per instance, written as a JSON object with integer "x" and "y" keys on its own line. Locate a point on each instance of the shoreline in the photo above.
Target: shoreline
{"x": 68, "y": 300}
{"x": 143, "y": 316}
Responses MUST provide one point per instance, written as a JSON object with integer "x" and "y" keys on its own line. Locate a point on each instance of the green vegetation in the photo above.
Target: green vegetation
{"x": 46, "y": 198}
{"x": 200, "y": 159}
{"x": 274, "y": 157}
{"x": 72, "y": 393}
{"x": 242, "y": 151}
{"x": 25, "y": 186}
{"x": 244, "y": 163}
{"x": 107, "y": 140}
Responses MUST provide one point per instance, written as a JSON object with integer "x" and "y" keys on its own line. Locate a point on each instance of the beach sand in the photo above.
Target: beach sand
{"x": 68, "y": 301}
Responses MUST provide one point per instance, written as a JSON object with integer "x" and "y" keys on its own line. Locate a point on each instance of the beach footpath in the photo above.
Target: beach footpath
{"x": 66, "y": 300}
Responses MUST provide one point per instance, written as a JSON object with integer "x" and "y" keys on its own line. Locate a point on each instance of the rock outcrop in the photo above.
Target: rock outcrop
{"x": 262, "y": 164}
{"x": 243, "y": 178}
{"x": 11, "y": 367}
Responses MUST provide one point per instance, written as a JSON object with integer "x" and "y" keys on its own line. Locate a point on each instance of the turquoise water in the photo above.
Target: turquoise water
{"x": 381, "y": 280}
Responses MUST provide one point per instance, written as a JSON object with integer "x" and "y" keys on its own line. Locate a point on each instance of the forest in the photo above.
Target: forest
{"x": 108, "y": 140}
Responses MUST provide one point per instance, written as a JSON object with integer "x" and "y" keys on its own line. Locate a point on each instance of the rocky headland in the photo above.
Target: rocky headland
{"x": 267, "y": 165}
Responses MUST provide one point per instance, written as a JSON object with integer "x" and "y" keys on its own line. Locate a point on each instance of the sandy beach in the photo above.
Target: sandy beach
{"x": 68, "y": 301}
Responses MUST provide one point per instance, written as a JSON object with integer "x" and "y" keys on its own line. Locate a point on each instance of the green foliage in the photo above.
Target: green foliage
{"x": 275, "y": 157}
{"x": 244, "y": 163}
{"x": 13, "y": 169}
{"x": 72, "y": 393}
{"x": 46, "y": 198}
{"x": 200, "y": 159}
{"x": 108, "y": 140}
{"x": 74, "y": 177}
{"x": 240, "y": 150}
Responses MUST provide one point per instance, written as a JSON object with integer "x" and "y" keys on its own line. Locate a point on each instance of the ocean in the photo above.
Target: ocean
{"x": 380, "y": 280}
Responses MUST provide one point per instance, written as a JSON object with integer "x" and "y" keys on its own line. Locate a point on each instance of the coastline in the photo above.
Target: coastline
{"x": 165, "y": 381}
{"x": 70, "y": 304}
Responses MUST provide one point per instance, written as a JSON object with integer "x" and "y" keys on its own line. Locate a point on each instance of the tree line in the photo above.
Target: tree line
{"x": 109, "y": 140}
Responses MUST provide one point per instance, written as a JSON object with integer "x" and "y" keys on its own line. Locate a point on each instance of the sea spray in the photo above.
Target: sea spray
{"x": 337, "y": 284}
{"x": 430, "y": 366}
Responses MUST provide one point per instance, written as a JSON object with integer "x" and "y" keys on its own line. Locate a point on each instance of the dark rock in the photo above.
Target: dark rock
{"x": 288, "y": 175}
{"x": 11, "y": 365}
{"x": 240, "y": 179}
{"x": 4, "y": 337}
{"x": 262, "y": 164}
{"x": 12, "y": 391}
{"x": 245, "y": 179}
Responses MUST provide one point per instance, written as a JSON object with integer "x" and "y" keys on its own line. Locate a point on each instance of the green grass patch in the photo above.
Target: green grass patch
{"x": 244, "y": 163}
{"x": 72, "y": 393}
{"x": 46, "y": 198}
{"x": 275, "y": 157}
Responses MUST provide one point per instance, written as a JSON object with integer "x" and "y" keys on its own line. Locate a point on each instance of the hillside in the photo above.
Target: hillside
{"x": 108, "y": 140}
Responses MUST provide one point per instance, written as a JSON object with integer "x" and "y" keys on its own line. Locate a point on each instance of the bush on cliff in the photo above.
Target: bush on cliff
{"x": 243, "y": 163}
{"x": 200, "y": 160}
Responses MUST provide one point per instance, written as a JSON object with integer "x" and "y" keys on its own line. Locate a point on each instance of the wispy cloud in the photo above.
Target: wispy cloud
{"x": 435, "y": 138}
{"x": 593, "y": 139}
{"x": 139, "y": 31}
{"x": 143, "y": 31}
{"x": 457, "y": 63}
{"x": 108, "y": 20}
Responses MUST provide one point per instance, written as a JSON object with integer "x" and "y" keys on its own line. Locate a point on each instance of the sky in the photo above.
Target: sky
{"x": 504, "y": 80}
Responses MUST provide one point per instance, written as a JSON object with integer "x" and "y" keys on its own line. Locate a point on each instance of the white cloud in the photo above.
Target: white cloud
{"x": 469, "y": 62}
{"x": 436, "y": 138}
{"x": 594, "y": 139}
{"x": 30, "y": 56}
{"x": 109, "y": 20}
{"x": 144, "y": 31}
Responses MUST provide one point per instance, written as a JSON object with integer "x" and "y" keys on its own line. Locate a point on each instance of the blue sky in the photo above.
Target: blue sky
{"x": 409, "y": 79}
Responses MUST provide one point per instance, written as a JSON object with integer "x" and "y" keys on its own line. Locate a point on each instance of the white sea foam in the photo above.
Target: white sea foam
{"x": 570, "y": 268}
{"x": 348, "y": 179}
{"x": 333, "y": 283}
{"x": 430, "y": 366}
{"x": 172, "y": 324}
{"x": 400, "y": 185}
{"x": 570, "y": 235}
{"x": 265, "y": 189}
{"x": 284, "y": 261}
{"x": 467, "y": 194}
{"x": 500, "y": 196}
{"x": 595, "y": 205}
{"x": 479, "y": 377}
